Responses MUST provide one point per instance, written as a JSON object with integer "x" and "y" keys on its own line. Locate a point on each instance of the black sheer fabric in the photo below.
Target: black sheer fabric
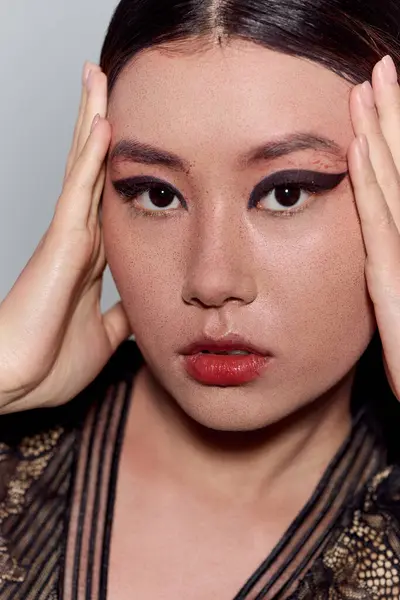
{"x": 356, "y": 462}
{"x": 58, "y": 476}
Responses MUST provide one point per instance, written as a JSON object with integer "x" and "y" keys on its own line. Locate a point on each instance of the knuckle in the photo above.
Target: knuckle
{"x": 392, "y": 102}
{"x": 384, "y": 220}
{"x": 80, "y": 186}
{"x": 378, "y": 137}
{"x": 391, "y": 186}
{"x": 370, "y": 181}
{"x": 73, "y": 186}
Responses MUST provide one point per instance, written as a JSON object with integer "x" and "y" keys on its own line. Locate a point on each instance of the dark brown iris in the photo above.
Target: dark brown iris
{"x": 161, "y": 196}
{"x": 287, "y": 195}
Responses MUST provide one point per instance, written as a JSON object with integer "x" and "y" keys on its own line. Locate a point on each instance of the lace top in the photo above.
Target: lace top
{"x": 58, "y": 474}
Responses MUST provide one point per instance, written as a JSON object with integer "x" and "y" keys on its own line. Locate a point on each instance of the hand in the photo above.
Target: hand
{"x": 53, "y": 338}
{"x": 374, "y": 164}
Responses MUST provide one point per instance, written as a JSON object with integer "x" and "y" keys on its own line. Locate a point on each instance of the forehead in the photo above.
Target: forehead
{"x": 232, "y": 95}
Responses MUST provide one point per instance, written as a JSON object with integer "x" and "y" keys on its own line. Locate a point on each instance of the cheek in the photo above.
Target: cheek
{"x": 326, "y": 316}
{"x": 145, "y": 268}
{"x": 312, "y": 296}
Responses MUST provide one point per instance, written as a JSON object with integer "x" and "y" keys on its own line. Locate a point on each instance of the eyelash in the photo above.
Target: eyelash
{"x": 312, "y": 182}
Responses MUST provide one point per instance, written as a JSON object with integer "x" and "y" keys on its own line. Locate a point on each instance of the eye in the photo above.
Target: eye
{"x": 283, "y": 197}
{"x": 157, "y": 198}
{"x": 149, "y": 195}
{"x": 288, "y": 192}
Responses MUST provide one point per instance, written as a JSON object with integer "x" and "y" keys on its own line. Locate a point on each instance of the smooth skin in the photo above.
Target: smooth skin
{"x": 54, "y": 339}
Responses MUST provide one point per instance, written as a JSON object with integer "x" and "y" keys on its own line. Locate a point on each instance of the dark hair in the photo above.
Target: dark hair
{"x": 346, "y": 36}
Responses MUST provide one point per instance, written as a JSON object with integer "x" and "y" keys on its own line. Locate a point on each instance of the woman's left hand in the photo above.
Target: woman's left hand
{"x": 374, "y": 165}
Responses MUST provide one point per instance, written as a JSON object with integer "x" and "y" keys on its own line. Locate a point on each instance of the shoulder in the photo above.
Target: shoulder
{"x": 38, "y": 454}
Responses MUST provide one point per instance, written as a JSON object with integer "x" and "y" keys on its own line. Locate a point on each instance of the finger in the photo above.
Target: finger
{"x": 75, "y": 203}
{"x": 82, "y": 105}
{"x": 97, "y": 195}
{"x": 382, "y": 244}
{"x": 117, "y": 325}
{"x": 380, "y": 234}
{"x": 72, "y": 156}
{"x": 387, "y": 97}
{"x": 366, "y": 121}
{"x": 96, "y": 104}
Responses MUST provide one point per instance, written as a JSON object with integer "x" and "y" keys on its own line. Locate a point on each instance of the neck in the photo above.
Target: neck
{"x": 282, "y": 461}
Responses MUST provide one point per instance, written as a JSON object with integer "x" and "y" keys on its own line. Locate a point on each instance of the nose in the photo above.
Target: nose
{"x": 219, "y": 266}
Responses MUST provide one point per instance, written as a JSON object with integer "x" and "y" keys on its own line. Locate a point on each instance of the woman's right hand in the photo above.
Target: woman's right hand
{"x": 53, "y": 338}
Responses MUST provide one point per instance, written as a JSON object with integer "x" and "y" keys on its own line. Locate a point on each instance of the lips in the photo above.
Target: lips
{"x": 228, "y": 344}
{"x": 229, "y": 362}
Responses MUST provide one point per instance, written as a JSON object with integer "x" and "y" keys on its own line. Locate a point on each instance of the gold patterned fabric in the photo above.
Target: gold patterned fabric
{"x": 35, "y": 477}
{"x": 58, "y": 475}
{"x": 363, "y": 562}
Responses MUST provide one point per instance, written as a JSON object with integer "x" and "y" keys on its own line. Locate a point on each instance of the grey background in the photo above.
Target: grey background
{"x": 43, "y": 45}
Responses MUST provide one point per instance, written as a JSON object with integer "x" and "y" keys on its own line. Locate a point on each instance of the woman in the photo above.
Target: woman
{"x": 246, "y": 445}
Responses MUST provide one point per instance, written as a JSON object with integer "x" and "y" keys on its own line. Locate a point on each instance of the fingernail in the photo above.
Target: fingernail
{"x": 363, "y": 145}
{"x": 95, "y": 121}
{"x": 389, "y": 69}
{"x": 367, "y": 94}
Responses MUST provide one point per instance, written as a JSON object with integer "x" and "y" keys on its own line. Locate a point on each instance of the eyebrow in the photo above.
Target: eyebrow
{"x": 132, "y": 150}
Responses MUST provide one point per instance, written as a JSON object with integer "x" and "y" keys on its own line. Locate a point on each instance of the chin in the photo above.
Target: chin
{"x": 237, "y": 409}
{"x": 277, "y": 398}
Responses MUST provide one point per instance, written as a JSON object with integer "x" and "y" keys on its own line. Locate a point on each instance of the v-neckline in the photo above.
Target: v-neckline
{"x": 92, "y": 504}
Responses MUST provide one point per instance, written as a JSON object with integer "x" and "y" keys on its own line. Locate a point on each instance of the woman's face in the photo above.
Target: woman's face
{"x": 226, "y": 255}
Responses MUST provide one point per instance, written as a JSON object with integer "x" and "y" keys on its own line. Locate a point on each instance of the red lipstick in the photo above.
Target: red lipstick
{"x": 228, "y": 362}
